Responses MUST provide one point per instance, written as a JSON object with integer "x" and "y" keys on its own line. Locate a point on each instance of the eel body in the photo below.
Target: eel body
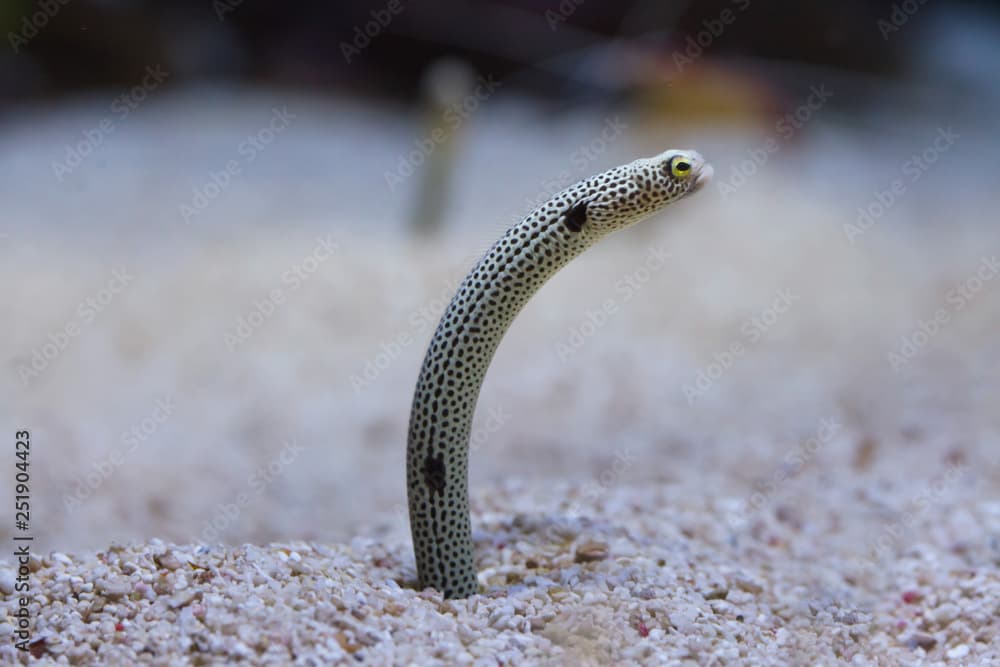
{"x": 475, "y": 321}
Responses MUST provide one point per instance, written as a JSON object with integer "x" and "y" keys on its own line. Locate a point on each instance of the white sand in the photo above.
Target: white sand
{"x": 641, "y": 576}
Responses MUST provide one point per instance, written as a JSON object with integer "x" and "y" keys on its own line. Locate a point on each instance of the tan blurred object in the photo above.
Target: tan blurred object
{"x": 707, "y": 93}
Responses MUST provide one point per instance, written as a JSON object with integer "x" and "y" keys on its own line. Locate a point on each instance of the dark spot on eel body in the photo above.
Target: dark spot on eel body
{"x": 434, "y": 473}
{"x": 576, "y": 216}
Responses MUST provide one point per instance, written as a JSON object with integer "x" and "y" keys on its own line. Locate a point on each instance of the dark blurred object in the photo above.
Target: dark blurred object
{"x": 58, "y": 46}
{"x": 447, "y": 85}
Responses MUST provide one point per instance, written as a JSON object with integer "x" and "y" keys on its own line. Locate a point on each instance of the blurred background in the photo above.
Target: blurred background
{"x": 228, "y": 229}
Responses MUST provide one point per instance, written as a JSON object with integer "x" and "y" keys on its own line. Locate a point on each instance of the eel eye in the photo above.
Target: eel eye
{"x": 680, "y": 167}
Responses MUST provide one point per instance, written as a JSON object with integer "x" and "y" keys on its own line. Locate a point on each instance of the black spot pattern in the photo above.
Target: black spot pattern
{"x": 487, "y": 301}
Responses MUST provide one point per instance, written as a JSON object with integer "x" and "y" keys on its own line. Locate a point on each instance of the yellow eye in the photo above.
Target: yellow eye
{"x": 680, "y": 167}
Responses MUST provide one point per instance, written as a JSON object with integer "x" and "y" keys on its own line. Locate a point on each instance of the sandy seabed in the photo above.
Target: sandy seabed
{"x": 642, "y": 575}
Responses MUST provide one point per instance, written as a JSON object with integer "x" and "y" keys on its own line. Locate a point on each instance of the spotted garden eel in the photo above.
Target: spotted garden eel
{"x": 486, "y": 303}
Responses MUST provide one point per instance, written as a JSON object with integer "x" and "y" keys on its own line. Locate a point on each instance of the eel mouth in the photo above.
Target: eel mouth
{"x": 703, "y": 176}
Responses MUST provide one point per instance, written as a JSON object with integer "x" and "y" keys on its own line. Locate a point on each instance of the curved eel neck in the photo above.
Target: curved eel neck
{"x": 448, "y": 387}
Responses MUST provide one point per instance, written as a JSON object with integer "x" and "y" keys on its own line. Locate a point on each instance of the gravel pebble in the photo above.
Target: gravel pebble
{"x": 7, "y": 581}
{"x": 708, "y": 600}
{"x": 591, "y": 551}
{"x": 959, "y": 651}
